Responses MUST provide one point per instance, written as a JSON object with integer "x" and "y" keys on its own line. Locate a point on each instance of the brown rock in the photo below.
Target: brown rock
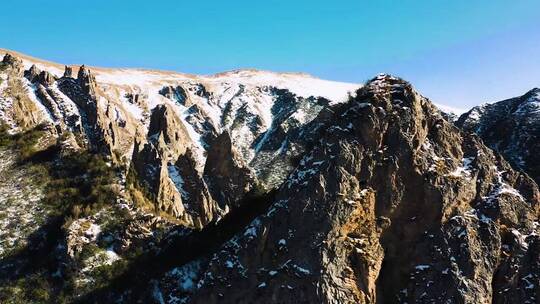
{"x": 227, "y": 177}
{"x": 45, "y": 78}
{"x": 32, "y": 73}
{"x": 392, "y": 204}
{"x": 87, "y": 81}
{"x": 14, "y": 63}
{"x": 68, "y": 72}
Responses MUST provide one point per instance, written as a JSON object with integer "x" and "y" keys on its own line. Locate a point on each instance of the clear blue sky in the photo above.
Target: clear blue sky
{"x": 459, "y": 53}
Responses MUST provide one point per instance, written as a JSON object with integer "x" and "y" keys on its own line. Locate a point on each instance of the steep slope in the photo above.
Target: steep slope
{"x": 378, "y": 197}
{"x": 122, "y": 113}
{"x": 392, "y": 204}
{"x": 20, "y": 211}
{"x": 510, "y": 127}
{"x": 131, "y": 154}
{"x": 164, "y": 126}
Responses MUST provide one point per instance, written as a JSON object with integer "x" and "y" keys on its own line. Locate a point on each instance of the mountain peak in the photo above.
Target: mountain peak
{"x": 254, "y": 186}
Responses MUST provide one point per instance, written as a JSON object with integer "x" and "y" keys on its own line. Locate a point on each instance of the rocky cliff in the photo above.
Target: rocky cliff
{"x": 510, "y": 127}
{"x": 392, "y": 204}
{"x": 173, "y": 131}
{"x": 257, "y": 187}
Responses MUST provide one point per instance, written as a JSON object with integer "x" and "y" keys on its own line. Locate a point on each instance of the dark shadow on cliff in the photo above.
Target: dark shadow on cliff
{"x": 73, "y": 184}
{"x": 180, "y": 250}
{"x": 31, "y": 266}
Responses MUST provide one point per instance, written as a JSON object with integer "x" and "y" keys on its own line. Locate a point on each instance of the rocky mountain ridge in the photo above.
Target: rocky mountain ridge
{"x": 154, "y": 122}
{"x": 407, "y": 207}
{"x": 510, "y": 127}
{"x": 378, "y": 197}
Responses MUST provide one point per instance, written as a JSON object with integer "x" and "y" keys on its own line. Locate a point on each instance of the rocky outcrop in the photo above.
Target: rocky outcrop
{"x": 17, "y": 109}
{"x": 392, "y": 204}
{"x": 68, "y": 72}
{"x": 14, "y": 64}
{"x": 72, "y": 105}
{"x": 166, "y": 164}
{"x": 510, "y": 127}
{"x": 265, "y": 142}
{"x": 105, "y": 125}
{"x": 87, "y": 81}
{"x": 78, "y": 90}
{"x": 291, "y": 134}
{"x": 194, "y": 191}
{"x": 228, "y": 178}
{"x": 45, "y": 78}
{"x": 177, "y": 94}
{"x": 32, "y": 73}
{"x": 166, "y": 124}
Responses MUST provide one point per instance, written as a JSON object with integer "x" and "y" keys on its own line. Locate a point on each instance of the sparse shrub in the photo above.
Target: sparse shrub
{"x": 140, "y": 192}
{"x": 74, "y": 185}
{"x": 23, "y": 142}
{"x": 5, "y": 138}
{"x": 81, "y": 184}
{"x": 88, "y": 251}
{"x": 76, "y": 211}
{"x": 38, "y": 288}
{"x": 103, "y": 274}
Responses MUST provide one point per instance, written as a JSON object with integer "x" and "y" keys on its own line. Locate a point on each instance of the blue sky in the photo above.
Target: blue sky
{"x": 459, "y": 53}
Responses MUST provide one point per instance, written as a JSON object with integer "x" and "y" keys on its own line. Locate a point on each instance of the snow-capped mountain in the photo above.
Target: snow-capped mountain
{"x": 118, "y": 111}
{"x": 137, "y": 186}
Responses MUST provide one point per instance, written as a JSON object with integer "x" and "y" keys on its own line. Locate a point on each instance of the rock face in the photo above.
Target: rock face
{"x": 13, "y": 63}
{"x": 376, "y": 199}
{"x": 32, "y": 73}
{"x": 17, "y": 109}
{"x": 68, "y": 72}
{"x": 510, "y": 127}
{"x": 86, "y": 80}
{"x": 226, "y": 174}
{"x": 165, "y": 161}
{"x": 261, "y": 119}
{"x": 178, "y": 94}
{"x": 392, "y": 204}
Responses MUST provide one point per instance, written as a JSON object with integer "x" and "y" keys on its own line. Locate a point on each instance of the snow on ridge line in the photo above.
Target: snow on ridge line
{"x": 294, "y": 81}
{"x": 450, "y": 109}
{"x": 300, "y": 84}
{"x": 42, "y": 67}
{"x": 152, "y": 81}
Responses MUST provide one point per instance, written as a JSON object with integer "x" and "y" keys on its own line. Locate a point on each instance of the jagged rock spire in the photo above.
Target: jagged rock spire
{"x": 10, "y": 59}
{"x": 32, "y": 73}
{"x": 510, "y": 127}
{"x": 15, "y": 63}
{"x": 228, "y": 177}
{"x": 35, "y": 75}
{"x": 68, "y": 71}
{"x": 45, "y": 78}
{"x": 86, "y": 80}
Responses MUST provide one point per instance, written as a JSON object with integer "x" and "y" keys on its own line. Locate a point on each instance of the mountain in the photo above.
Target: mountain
{"x": 163, "y": 120}
{"x": 248, "y": 186}
{"x": 392, "y": 204}
{"x": 510, "y": 127}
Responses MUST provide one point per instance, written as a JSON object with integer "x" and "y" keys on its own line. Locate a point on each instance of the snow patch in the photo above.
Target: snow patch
{"x": 177, "y": 180}
{"x": 464, "y": 170}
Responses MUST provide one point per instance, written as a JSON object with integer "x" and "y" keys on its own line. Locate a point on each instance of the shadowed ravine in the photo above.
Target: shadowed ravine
{"x": 180, "y": 250}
